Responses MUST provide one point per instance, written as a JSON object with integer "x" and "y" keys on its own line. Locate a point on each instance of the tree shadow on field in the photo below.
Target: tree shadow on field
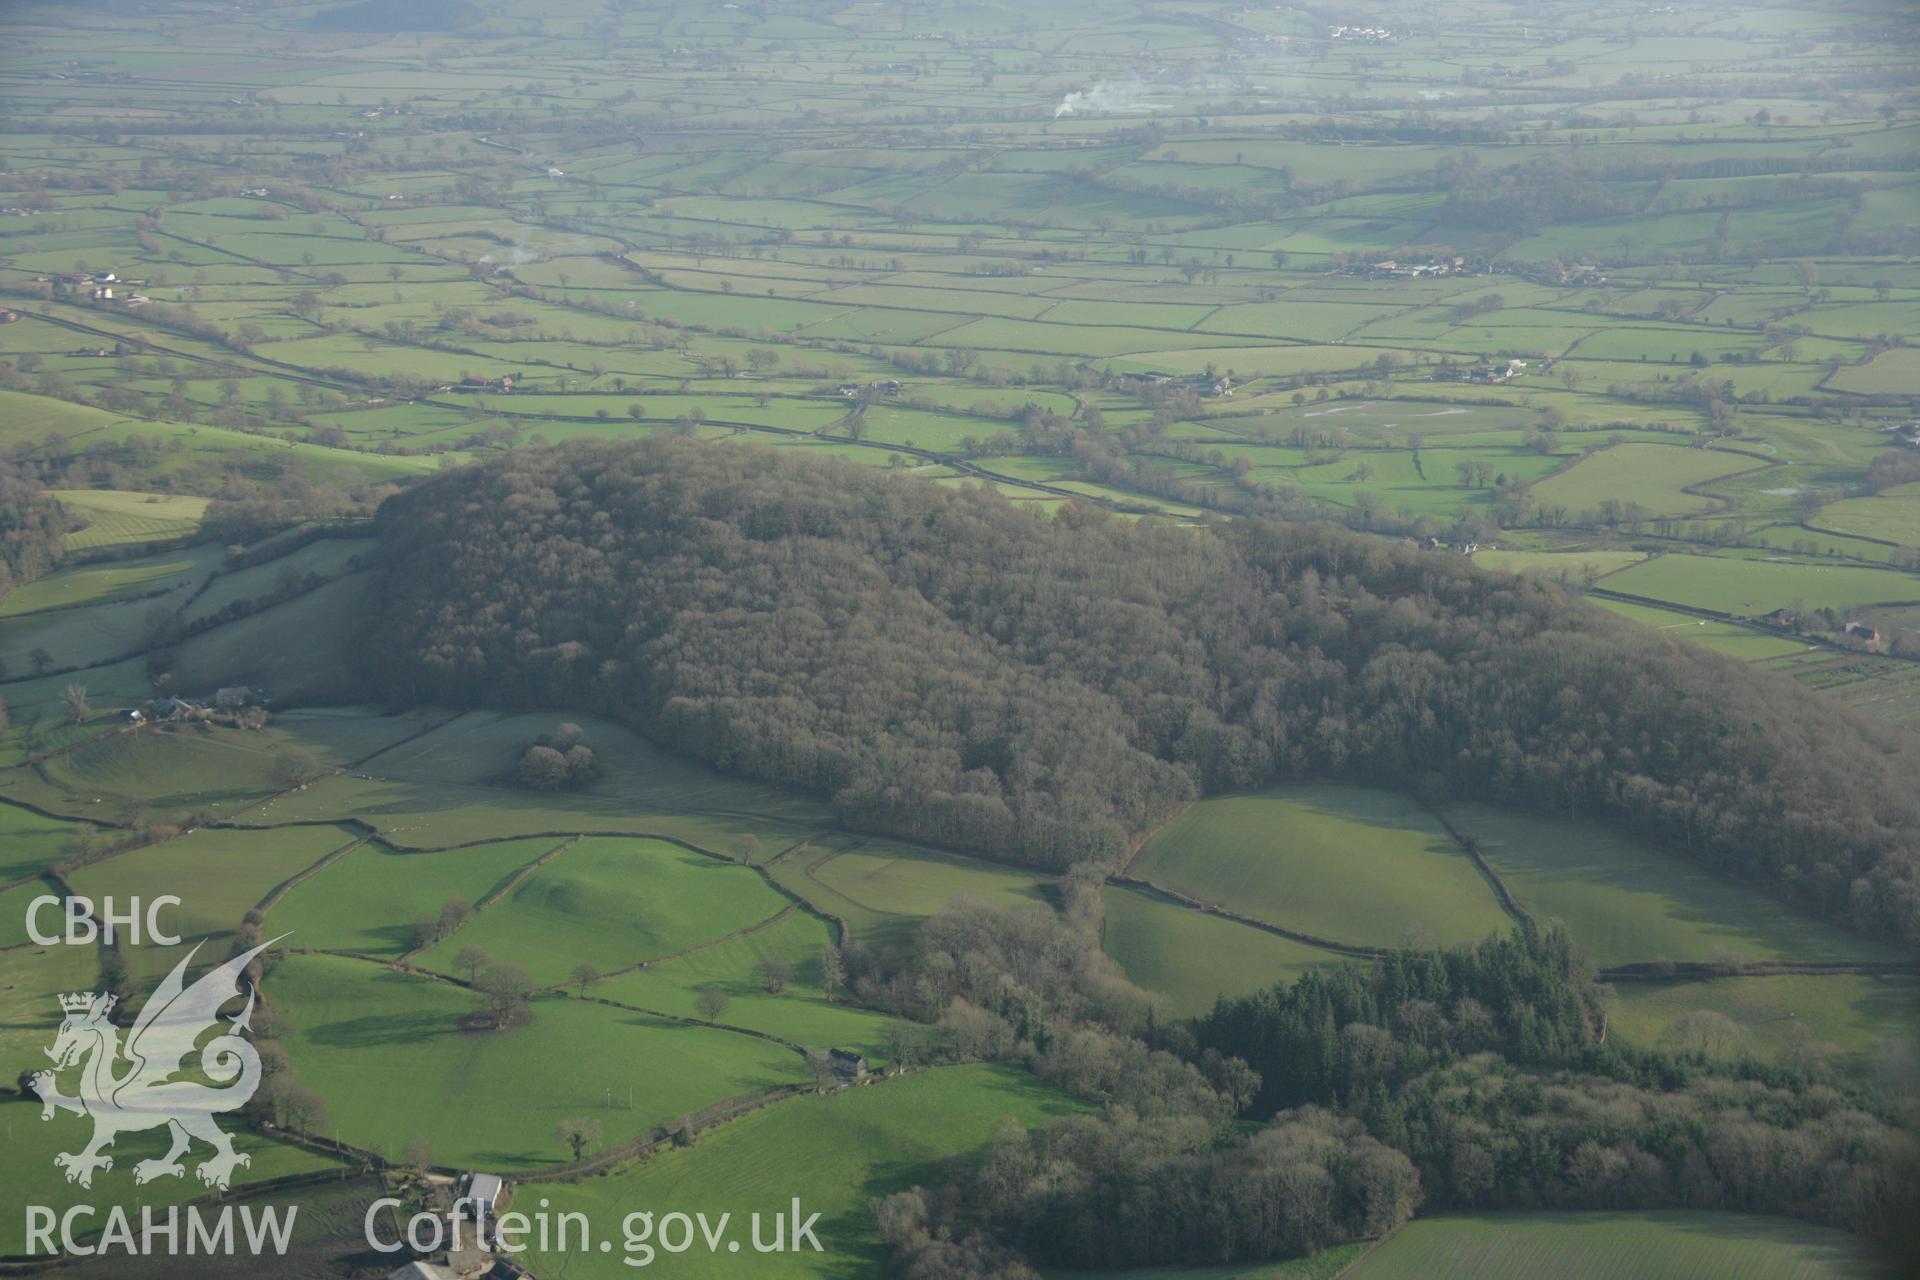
{"x": 384, "y": 1029}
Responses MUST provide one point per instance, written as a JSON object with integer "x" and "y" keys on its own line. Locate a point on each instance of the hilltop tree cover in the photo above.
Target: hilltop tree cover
{"x": 951, "y": 668}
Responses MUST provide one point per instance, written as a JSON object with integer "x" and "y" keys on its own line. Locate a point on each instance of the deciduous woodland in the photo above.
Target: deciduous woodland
{"x": 947, "y": 667}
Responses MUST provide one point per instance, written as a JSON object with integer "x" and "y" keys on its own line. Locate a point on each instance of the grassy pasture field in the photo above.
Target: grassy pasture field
{"x": 1729, "y": 638}
{"x": 1655, "y": 476}
{"x": 613, "y": 903}
{"x": 368, "y": 901}
{"x": 218, "y": 875}
{"x": 835, "y": 1152}
{"x": 1602, "y": 1246}
{"x": 1753, "y": 588}
{"x": 115, "y": 518}
{"x": 1867, "y": 1020}
{"x": 1574, "y": 567}
{"x": 1625, "y": 902}
{"x": 388, "y": 1051}
{"x": 1351, "y": 864}
{"x": 881, "y": 889}
{"x": 1191, "y": 958}
{"x": 29, "y": 842}
{"x": 800, "y": 1011}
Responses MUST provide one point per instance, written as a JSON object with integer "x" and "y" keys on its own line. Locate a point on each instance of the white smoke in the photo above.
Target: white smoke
{"x": 1108, "y": 97}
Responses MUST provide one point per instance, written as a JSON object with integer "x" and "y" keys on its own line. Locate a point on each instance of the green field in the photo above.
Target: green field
{"x": 1626, "y": 903}
{"x": 390, "y": 1055}
{"x": 1351, "y": 864}
{"x": 117, "y": 518}
{"x": 1191, "y": 958}
{"x": 218, "y": 875}
{"x": 613, "y": 903}
{"x": 881, "y": 889}
{"x": 1602, "y": 1246}
{"x": 836, "y": 1153}
{"x": 1654, "y": 476}
{"x": 1786, "y": 1015}
{"x": 368, "y": 900}
{"x": 1754, "y": 588}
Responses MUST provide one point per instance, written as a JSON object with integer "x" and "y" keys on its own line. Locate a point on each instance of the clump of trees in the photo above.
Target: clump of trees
{"x": 558, "y": 761}
{"x": 951, "y": 668}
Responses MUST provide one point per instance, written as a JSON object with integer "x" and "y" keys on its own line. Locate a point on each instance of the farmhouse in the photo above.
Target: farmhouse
{"x": 848, "y": 1067}
{"x": 502, "y": 383}
{"x": 1863, "y": 634}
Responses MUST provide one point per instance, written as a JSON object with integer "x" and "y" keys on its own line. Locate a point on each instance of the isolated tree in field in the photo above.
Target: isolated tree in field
{"x": 584, "y": 976}
{"x": 470, "y": 960}
{"x": 418, "y": 1153}
{"x": 75, "y": 700}
{"x": 543, "y": 769}
{"x": 712, "y": 1002}
{"x": 833, "y": 967}
{"x": 6, "y": 718}
{"x": 40, "y": 660}
{"x": 504, "y": 989}
{"x": 296, "y": 766}
{"x": 820, "y": 1067}
{"x": 774, "y": 972}
{"x": 577, "y": 1136}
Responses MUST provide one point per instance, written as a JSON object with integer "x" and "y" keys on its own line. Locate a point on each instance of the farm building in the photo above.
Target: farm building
{"x": 483, "y": 1195}
{"x": 848, "y": 1067}
{"x": 1862, "y": 634}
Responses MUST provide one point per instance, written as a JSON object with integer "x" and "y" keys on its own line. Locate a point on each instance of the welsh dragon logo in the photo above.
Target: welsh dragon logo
{"x": 130, "y": 1088}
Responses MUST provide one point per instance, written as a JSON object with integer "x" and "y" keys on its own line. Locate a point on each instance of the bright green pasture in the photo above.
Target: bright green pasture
{"x": 613, "y": 903}
{"x": 1192, "y": 958}
{"x": 1655, "y": 476}
{"x": 117, "y": 517}
{"x": 835, "y": 1152}
{"x": 1625, "y": 902}
{"x": 1349, "y": 864}
{"x": 1612, "y": 1246}
{"x": 368, "y": 900}
{"x": 218, "y": 875}
{"x": 1752, "y": 588}
{"x": 390, "y": 1054}
{"x": 799, "y": 1012}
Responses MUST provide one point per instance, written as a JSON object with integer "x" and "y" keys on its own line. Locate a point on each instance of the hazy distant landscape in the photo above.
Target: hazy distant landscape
{"x": 1297, "y": 627}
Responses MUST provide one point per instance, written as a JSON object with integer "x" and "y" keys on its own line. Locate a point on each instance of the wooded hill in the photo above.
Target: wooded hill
{"x": 952, "y": 668}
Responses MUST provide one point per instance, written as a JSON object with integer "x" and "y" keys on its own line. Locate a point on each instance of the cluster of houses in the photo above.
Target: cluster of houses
{"x": 173, "y": 709}
{"x": 1492, "y": 372}
{"x": 1392, "y": 269}
{"x": 505, "y": 382}
{"x": 1907, "y": 433}
{"x": 1215, "y": 387}
{"x": 884, "y": 387}
{"x": 1365, "y": 35}
{"x": 104, "y": 286}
